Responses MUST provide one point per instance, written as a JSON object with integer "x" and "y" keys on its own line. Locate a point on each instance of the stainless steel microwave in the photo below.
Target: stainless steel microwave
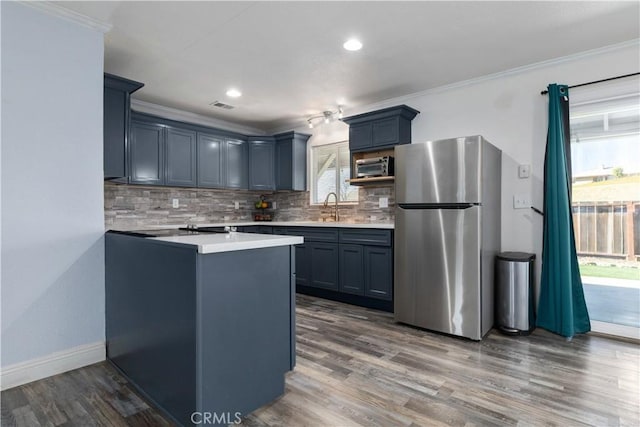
{"x": 375, "y": 166}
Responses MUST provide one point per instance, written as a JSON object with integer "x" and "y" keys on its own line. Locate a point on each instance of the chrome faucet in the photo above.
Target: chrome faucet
{"x": 335, "y": 215}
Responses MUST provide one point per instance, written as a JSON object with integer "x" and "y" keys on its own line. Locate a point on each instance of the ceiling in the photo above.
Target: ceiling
{"x": 288, "y": 61}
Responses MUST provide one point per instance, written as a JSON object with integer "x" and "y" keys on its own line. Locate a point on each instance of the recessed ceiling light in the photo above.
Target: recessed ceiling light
{"x": 234, "y": 93}
{"x": 352, "y": 44}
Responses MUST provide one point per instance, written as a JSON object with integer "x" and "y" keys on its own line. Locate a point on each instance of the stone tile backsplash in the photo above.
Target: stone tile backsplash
{"x": 127, "y": 206}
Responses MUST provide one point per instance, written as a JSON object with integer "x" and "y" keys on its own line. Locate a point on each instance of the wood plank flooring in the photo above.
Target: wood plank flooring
{"x": 356, "y": 367}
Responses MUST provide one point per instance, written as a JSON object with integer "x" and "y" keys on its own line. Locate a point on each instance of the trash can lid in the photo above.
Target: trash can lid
{"x": 516, "y": 256}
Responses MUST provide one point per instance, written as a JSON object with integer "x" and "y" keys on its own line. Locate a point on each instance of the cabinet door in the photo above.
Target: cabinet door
{"x": 147, "y": 154}
{"x": 181, "y": 158}
{"x": 324, "y": 265}
{"x": 261, "y": 165}
{"x": 210, "y": 161}
{"x": 284, "y": 165}
{"x": 360, "y": 136}
{"x": 237, "y": 164}
{"x": 302, "y": 265}
{"x": 115, "y": 130}
{"x": 351, "y": 269}
{"x": 378, "y": 272}
{"x": 385, "y": 132}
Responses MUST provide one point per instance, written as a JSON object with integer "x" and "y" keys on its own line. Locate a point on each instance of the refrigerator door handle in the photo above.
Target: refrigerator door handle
{"x": 437, "y": 205}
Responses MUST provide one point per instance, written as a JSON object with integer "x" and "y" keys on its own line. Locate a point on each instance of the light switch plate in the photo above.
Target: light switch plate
{"x": 237, "y": 203}
{"x": 383, "y": 202}
{"x": 175, "y": 203}
{"x": 273, "y": 205}
{"x": 524, "y": 171}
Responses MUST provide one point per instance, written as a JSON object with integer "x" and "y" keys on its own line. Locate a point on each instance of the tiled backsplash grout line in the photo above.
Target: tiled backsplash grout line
{"x": 134, "y": 205}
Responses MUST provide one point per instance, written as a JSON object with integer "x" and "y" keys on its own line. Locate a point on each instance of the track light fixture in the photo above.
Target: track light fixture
{"x": 326, "y": 117}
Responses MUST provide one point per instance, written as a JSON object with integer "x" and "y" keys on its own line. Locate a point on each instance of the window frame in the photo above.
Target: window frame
{"x": 313, "y": 173}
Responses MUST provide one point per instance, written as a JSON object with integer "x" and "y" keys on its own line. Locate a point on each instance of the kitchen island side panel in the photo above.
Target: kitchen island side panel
{"x": 151, "y": 319}
{"x": 244, "y": 328}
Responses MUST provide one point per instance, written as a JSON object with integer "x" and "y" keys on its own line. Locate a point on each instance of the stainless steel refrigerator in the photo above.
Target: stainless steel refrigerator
{"x": 447, "y": 233}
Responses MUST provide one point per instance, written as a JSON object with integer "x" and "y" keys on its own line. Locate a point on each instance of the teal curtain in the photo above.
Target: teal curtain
{"x": 561, "y": 308}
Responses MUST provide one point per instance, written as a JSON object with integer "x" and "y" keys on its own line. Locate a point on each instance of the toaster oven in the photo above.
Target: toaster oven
{"x": 375, "y": 166}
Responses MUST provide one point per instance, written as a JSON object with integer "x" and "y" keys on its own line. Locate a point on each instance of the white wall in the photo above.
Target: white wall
{"x": 52, "y": 187}
{"x": 509, "y": 111}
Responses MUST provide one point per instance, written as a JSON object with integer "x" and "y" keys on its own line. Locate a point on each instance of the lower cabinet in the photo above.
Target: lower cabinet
{"x": 351, "y": 269}
{"x": 324, "y": 265}
{"x": 378, "y": 272}
{"x": 366, "y": 270}
{"x": 303, "y": 273}
{"x": 348, "y": 265}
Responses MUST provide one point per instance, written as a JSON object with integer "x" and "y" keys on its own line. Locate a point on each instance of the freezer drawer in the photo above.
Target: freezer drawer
{"x": 437, "y": 270}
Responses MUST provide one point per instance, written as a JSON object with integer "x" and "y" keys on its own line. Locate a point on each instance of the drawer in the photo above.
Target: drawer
{"x": 312, "y": 234}
{"x": 368, "y": 236}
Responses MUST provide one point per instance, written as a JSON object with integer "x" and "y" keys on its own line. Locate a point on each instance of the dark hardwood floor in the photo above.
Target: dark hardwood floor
{"x": 357, "y": 367}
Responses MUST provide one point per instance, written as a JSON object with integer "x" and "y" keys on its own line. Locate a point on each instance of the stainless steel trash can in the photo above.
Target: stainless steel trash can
{"x": 514, "y": 305}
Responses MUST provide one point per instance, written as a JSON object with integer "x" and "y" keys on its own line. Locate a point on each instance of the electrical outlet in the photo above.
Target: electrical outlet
{"x": 237, "y": 203}
{"x": 383, "y": 202}
{"x": 524, "y": 171}
{"x": 521, "y": 201}
{"x": 176, "y": 203}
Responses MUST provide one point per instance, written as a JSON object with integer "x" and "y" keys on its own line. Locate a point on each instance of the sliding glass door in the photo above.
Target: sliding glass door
{"x": 605, "y": 155}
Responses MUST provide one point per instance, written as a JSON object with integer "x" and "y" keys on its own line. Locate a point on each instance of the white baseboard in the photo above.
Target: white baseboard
{"x": 52, "y": 364}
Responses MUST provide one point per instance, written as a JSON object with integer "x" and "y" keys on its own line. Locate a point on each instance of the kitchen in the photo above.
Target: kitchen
{"x": 53, "y": 301}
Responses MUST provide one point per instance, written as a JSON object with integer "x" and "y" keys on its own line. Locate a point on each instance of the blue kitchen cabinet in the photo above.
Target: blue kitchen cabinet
{"x": 352, "y": 265}
{"x": 116, "y": 124}
{"x": 378, "y": 272}
{"x": 351, "y": 269}
{"x": 146, "y": 154}
{"x": 222, "y": 162}
{"x": 210, "y": 161}
{"x": 324, "y": 261}
{"x": 180, "y": 157}
{"x": 360, "y": 136}
{"x": 262, "y": 163}
{"x": 291, "y": 161}
{"x": 380, "y": 129}
{"x": 303, "y": 265}
{"x": 236, "y": 164}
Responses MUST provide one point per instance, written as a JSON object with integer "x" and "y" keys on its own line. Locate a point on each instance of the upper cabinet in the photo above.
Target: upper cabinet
{"x": 291, "y": 161}
{"x": 380, "y": 129}
{"x": 236, "y": 159}
{"x": 146, "y": 154}
{"x": 172, "y": 153}
{"x": 180, "y": 154}
{"x": 210, "y": 161}
{"x": 117, "y": 102}
{"x": 262, "y": 151}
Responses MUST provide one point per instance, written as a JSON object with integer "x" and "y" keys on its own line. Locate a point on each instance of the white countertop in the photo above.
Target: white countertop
{"x": 325, "y": 224}
{"x": 388, "y": 226}
{"x": 215, "y": 243}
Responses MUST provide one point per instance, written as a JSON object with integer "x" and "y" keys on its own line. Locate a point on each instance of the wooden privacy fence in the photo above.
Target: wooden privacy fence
{"x": 607, "y": 229}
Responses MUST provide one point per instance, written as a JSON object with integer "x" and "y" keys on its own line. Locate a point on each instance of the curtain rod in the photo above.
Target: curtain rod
{"x": 544, "y": 92}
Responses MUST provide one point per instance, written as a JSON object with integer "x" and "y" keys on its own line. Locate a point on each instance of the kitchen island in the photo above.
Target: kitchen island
{"x": 203, "y": 325}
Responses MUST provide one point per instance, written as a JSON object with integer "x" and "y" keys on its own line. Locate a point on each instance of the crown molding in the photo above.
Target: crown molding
{"x": 62, "y": 12}
{"x": 186, "y": 116}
